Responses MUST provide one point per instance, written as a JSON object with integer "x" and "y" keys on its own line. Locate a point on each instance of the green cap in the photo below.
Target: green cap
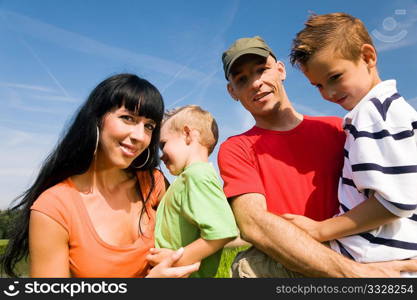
{"x": 254, "y": 45}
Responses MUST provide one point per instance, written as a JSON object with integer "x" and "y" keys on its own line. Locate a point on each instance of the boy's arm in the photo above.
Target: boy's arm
{"x": 287, "y": 244}
{"x": 200, "y": 249}
{"x": 368, "y": 215}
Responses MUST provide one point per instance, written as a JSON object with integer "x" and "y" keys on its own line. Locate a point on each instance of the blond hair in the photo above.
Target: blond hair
{"x": 196, "y": 118}
{"x": 343, "y": 32}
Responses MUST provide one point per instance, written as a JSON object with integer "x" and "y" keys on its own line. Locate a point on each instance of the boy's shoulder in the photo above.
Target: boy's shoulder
{"x": 199, "y": 171}
{"x": 383, "y": 106}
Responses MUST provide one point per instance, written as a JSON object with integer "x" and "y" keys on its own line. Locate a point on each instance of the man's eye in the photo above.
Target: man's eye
{"x": 241, "y": 80}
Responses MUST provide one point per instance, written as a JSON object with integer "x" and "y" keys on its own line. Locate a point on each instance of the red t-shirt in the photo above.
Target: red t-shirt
{"x": 297, "y": 171}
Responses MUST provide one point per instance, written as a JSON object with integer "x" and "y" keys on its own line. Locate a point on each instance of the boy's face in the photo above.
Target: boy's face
{"x": 339, "y": 80}
{"x": 174, "y": 149}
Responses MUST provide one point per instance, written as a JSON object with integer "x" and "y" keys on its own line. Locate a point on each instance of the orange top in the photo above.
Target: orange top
{"x": 89, "y": 255}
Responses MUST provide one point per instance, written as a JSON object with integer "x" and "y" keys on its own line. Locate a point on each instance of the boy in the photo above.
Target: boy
{"x": 194, "y": 212}
{"x": 378, "y": 188}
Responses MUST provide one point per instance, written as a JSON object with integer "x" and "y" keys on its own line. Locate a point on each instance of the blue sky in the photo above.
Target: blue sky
{"x": 54, "y": 52}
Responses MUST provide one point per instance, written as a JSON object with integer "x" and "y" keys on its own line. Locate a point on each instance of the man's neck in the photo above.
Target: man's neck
{"x": 285, "y": 119}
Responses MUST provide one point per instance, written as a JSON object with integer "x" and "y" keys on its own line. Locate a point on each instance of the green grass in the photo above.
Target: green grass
{"x": 226, "y": 261}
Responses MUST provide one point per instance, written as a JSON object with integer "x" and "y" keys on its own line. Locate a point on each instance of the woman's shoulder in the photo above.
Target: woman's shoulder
{"x": 56, "y": 194}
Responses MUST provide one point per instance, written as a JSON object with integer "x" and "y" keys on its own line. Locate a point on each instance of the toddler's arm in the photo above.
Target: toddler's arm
{"x": 194, "y": 252}
{"x": 368, "y": 215}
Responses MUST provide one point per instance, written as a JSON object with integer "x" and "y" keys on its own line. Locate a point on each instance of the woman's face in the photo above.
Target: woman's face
{"x": 123, "y": 137}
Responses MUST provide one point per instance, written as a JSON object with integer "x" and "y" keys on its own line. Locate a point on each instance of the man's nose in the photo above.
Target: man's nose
{"x": 256, "y": 81}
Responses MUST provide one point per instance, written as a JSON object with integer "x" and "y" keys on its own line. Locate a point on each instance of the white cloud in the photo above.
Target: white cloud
{"x": 23, "y": 152}
{"x": 307, "y": 110}
{"x": 44, "y": 31}
{"x": 27, "y": 87}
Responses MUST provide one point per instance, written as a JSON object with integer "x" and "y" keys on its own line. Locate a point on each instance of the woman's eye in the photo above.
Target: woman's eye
{"x": 127, "y": 118}
{"x": 151, "y": 127}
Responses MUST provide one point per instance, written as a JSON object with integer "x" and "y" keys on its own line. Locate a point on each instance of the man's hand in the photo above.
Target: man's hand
{"x": 389, "y": 268}
{"x": 157, "y": 255}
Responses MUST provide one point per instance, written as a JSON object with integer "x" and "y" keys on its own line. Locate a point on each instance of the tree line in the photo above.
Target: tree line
{"x": 7, "y": 218}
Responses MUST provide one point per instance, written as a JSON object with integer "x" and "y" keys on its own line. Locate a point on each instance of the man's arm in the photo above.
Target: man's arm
{"x": 296, "y": 250}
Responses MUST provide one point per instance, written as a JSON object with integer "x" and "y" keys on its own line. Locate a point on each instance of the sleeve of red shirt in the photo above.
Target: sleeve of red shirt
{"x": 238, "y": 168}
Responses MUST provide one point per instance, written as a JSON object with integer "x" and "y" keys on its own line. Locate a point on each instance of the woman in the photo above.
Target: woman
{"x": 91, "y": 210}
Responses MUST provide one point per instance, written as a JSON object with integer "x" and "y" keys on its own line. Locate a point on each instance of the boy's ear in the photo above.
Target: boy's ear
{"x": 369, "y": 55}
{"x": 231, "y": 92}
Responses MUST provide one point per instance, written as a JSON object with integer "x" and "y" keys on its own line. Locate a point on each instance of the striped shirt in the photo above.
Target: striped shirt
{"x": 381, "y": 156}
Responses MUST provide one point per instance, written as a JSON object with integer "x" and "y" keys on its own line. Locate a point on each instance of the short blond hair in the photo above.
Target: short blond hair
{"x": 196, "y": 118}
{"x": 344, "y": 33}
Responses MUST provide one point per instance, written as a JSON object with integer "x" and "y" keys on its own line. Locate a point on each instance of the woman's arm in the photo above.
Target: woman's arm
{"x": 48, "y": 247}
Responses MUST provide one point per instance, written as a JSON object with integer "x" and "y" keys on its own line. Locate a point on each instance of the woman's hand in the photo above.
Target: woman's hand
{"x": 157, "y": 255}
{"x": 165, "y": 269}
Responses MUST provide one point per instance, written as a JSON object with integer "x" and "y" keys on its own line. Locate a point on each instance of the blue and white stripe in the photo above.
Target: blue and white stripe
{"x": 381, "y": 156}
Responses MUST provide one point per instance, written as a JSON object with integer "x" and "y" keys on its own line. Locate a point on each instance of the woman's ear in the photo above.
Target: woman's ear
{"x": 369, "y": 56}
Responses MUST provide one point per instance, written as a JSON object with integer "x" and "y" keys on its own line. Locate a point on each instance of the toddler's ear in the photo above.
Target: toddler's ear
{"x": 369, "y": 55}
{"x": 187, "y": 132}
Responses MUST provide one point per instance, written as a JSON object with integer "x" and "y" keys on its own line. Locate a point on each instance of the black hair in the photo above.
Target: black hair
{"x": 74, "y": 152}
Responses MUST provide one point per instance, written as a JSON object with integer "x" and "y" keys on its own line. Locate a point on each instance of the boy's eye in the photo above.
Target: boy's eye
{"x": 161, "y": 145}
{"x": 335, "y": 77}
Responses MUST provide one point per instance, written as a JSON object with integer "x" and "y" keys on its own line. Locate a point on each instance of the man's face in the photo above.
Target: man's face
{"x": 257, "y": 83}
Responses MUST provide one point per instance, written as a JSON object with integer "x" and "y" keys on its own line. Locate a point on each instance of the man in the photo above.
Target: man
{"x": 287, "y": 163}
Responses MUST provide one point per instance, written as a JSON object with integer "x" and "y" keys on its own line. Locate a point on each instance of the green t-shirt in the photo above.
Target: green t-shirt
{"x": 194, "y": 207}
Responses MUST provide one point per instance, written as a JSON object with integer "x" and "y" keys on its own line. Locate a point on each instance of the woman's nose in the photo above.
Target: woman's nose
{"x": 138, "y": 132}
